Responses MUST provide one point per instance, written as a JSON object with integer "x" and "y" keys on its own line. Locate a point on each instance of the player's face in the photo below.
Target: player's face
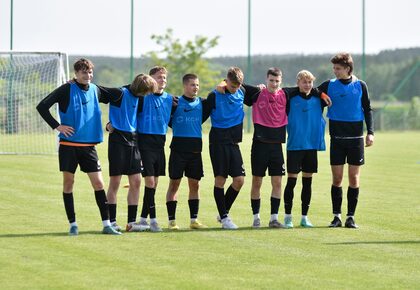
{"x": 84, "y": 77}
{"x": 305, "y": 85}
{"x": 341, "y": 72}
{"x": 191, "y": 88}
{"x": 232, "y": 87}
{"x": 273, "y": 83}
{"x": 160, "y": 78}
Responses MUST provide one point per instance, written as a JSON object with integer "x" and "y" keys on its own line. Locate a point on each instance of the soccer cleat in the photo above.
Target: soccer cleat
{"x": 144, "y": 225}
{"x": 197, "y": 225}
{"x": 306, "y": 223}
{"x": 275, "y": 224}
{"x": 336, "y": 223}
{"x": 227, "y": 224}
{"x": 154, "y": 227}
{"x": 173, "y": 226}
{"x": 256, "y": 223}
{"x": 350, "y": 223}
{"x": 74, "y": 231}
{"x": 288, "y": 222}
{"x": 134, "y": 227}
{"x": 116, "y": 227}
{"x": 126, "y": 185}
{"x": 109, "y": 230}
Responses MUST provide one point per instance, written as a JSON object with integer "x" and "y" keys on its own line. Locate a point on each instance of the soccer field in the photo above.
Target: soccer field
{"x": 37, "y": 253}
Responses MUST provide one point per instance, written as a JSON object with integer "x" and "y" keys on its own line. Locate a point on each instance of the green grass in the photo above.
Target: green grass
{"x": 384, "y": 253}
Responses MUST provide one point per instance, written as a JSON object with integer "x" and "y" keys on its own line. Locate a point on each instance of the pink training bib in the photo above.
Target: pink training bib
{"x": 270, "y": 109}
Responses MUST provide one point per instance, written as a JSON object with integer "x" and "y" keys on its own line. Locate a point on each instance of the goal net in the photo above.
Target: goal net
{"x": 25, "y": 79}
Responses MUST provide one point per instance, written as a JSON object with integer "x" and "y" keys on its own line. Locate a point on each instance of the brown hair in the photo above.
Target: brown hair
{"x": 186, "y": 78}
{"x": 142, "y": 85}
{"x": 235, "y": 75}
{"x": 83, "y": 64}
{"x": 156, "y": 69}
{"x": 274, "y": 71}
{"x": 344, "y": 59}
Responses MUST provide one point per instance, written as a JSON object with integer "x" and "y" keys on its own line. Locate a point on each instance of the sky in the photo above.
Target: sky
{"x": 102, "y": 27}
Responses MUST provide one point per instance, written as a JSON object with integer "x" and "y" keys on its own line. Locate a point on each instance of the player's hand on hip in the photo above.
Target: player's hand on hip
{"x": 369, "y": 140}
{"x": 109, "y": 127}
{"x": 65, "y": 130}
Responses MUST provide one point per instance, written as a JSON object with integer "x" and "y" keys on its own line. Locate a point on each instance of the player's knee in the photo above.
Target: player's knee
{"x": 238, "y": 182}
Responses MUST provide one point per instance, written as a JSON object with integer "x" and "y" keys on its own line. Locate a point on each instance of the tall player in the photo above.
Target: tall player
{"x": 351, "y": 106}
{"x": 80, "y": 130}
{"x": 225, "y": 135}
{"x": 152, "y": 125}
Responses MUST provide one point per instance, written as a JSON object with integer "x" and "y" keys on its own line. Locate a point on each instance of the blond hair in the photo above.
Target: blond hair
{"x": 142, "y": 85}
{"x": 305, "y": 74}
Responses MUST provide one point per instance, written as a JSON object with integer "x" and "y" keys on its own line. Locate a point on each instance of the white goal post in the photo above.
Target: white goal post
{"x": 25, "y": 79}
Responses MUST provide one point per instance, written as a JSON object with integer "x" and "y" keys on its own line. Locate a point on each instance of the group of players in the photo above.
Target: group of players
{"x": 139, "y": 116}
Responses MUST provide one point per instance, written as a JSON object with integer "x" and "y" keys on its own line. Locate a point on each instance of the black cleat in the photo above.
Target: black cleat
{"x": 350, "y": 223}
{"x": 336, "y": 223}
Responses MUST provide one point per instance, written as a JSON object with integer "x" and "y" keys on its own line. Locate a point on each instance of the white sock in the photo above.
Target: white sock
{"x": 338, "y": 215}
{"x": 193, "y": 220}
{"x": 142, "y": 219}
{"x": 287, "y": 215}
{"x": 153, "y": 220}
{"x": 274, "y": 216}
{"x": 256, "y": 216}
{"x": 304, "y": 217}
{"x": 106, "y": 223}
{"x": 350, "y": 216}
{"x": 73, "y": 224}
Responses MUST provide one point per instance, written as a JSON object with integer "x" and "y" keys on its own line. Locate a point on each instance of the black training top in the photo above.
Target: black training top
{"x": 351, "y": 129}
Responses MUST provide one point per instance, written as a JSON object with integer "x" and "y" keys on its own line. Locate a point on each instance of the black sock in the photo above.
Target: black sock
{"x": 352, "y": 198}
{"x": 337, "y": 198}
{"x": 288, "y": 194}
{"x": 255, "y": 205}
{"x": 219, "y": 197}
{"x": 306, "y": 194}
{"x": 145, "y": 206}
{"x": 112, "y": 212}
{"x": 230, "y": 197}
{"x": 102, "y": 203}
{"x": 69, "y": 206}
{"x": 132, "y": 213}
{"x": 150, "y": 194}
{"x": 275, "y": 204}
{"x": 171, "y": 208}
{"x": 194, "y": 206}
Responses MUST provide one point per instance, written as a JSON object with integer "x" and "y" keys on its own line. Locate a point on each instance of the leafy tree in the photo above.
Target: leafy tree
{"x": 182, "y": 58}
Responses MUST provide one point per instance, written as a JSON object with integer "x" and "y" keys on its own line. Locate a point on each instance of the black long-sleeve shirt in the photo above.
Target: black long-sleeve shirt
{"x": 191, "y": 144}
{"x": 351, "y": 129}
{"x": 231, "y": 135}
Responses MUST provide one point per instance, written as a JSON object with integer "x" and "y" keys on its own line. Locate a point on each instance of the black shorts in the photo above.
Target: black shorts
{"x": 188, "y": 162}
{"x": 226, "y": 159}
{"x": 302, "y": 160}
{"x": 153, "y": 162}
{"x": 123, "y": 159}
{"x": 85, "y": 156}
{"x": 267, "y": 155}
{"x": 352, "y": 150}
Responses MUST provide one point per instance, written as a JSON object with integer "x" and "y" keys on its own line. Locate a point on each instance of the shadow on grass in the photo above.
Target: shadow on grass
{"x": 59, "y": 234}
{"x": 375, "y": 242}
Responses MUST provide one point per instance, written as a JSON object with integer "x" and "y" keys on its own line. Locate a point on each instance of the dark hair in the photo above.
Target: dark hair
{"x": 274, "y": 71}
{"x": 186, "y": 78}
{"x": 83, "y": 64}
{"x": 344, "y": 59}
{"x": 156, "y": 69}
{"x": 235, "y": 75}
